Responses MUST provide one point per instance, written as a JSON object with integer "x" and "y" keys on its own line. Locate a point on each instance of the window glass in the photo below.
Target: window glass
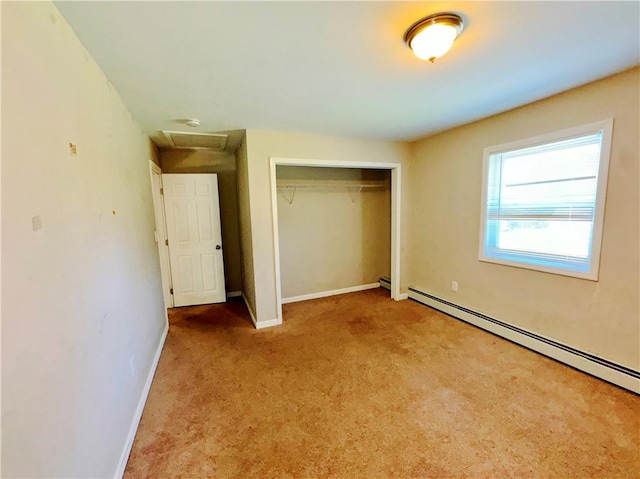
{"x": 544, "y": 199}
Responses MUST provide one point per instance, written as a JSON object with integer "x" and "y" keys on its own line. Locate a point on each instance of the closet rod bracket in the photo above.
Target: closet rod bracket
{"x": 354, "y": 191}
{"x": 289, "y": 193}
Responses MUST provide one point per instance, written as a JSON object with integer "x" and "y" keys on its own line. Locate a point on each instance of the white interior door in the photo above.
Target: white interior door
{"x": 195, "y": 240}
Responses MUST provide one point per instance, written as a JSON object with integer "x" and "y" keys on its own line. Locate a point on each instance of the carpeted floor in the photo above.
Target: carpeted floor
{"x": 360, "y": 386}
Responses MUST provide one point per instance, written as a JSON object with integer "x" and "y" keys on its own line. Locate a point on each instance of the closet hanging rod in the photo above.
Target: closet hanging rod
{"x": 333, "y": 184}
{"x": 289, "y": 189}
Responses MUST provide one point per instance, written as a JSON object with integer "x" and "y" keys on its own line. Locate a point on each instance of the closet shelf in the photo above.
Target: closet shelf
{"x": 331, "y": 184}
{"x": 289, "y": 187}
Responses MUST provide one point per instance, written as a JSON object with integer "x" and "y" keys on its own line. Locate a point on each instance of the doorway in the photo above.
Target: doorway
{"x": 192, "y": 211}
{"x": 395, "y": 170}
{"x": 160, "y": 233}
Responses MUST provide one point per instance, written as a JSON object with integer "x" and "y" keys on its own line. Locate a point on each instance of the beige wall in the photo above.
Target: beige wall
{"x": 244, "y": 222}
{"x": 82, "y": 308}
{"x": 264, "y": 144}
{"x": 224, "y": 165}
{"x": 332, "y": 238}
{"x": 599, "y": 317}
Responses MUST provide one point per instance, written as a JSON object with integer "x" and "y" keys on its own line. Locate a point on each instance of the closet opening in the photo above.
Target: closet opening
{"x": 336, "y": 227}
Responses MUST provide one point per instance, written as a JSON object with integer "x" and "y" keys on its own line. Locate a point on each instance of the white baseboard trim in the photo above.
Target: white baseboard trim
{"x": 268, "y": 324}
{"x": 234, "y": 294}
{"x": 324, "y": 294}
{"x": 617, "y": 374}
{"x": 124, "y": 457}
{"x": 253, "y": 316}
{"x": 260, "y": 324}
{"x": 386, "y": 284}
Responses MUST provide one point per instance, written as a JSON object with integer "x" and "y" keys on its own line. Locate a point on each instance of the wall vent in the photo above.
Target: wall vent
{"x": 196, "y": 141}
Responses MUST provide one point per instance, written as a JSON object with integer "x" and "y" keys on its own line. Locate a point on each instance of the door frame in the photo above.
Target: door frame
{"x": 396, "y": 199}
{"x": 161, "y": 233}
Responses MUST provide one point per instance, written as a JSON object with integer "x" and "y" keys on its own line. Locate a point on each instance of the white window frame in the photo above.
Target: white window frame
{"x": 604, "y": 126}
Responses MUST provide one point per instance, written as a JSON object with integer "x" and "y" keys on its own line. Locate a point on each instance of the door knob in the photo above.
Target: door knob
{"x": 218, "y": 246}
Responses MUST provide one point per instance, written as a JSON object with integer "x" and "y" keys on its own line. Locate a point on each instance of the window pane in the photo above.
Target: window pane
{"x": 549, "y": 165}
{"x": 560, "y": 193}
{"x": 555, "y": 179}
{"x": 541, "y": 202}
{"x": 561, "y": 238}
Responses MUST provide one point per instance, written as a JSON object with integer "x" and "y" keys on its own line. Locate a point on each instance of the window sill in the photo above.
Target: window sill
{"x": 590, "y": 276}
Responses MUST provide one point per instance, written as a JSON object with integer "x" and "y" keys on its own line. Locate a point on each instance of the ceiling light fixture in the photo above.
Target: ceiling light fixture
{"x": 193, "y": 122}
{"x": 433, "y": 36}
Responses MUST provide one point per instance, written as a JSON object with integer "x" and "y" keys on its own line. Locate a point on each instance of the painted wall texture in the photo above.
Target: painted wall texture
{"x": 244, "y": 222}
{"x": 82, "y": 307}
{"x": 598, "y": 317}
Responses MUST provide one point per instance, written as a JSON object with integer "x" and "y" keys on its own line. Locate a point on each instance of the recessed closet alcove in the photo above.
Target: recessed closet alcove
{"x": 334, "y": 228}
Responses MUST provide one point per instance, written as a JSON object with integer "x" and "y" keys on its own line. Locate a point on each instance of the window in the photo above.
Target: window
{"x": 543, "y": 201}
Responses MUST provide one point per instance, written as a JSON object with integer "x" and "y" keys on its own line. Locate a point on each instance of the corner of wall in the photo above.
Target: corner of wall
{"x": 244, "y": 220}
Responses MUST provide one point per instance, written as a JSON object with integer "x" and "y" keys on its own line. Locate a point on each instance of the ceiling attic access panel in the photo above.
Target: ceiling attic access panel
{"x": 196, "y": 141}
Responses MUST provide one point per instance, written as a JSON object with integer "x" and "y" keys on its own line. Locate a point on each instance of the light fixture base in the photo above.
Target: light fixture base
{"x": 436, "y": 20}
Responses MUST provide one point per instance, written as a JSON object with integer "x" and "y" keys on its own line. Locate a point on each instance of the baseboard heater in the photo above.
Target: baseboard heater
{"x": 385, "y": 283}
{"x": 617, "y": 374}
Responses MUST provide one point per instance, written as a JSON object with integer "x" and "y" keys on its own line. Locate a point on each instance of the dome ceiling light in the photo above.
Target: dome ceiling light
{"x": 433, "y": 36}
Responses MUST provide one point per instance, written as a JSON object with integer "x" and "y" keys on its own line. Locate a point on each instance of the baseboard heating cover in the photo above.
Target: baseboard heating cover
{"x": 617, "y": 374}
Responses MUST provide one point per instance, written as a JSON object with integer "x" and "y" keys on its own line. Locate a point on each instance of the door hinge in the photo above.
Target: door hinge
{"x": 166, "y": 242}
{"x": 162, "y": 191}
{"x": 171, "y": 291}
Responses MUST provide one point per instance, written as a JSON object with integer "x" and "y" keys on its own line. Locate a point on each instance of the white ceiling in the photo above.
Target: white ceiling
{"x": 341, "y": 68}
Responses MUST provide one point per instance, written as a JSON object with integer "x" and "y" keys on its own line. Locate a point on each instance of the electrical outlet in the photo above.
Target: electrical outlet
{"x": 36, "y": 222}
{"x": 454, "y": 286}
{"x": 132, "y": 362}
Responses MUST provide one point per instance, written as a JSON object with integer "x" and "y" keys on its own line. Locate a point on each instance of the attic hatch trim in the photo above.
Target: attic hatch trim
{"x": 169, "y": 136}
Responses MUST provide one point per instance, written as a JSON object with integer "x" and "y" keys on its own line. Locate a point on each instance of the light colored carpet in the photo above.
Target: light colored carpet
{"x": 360, "y": 386}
